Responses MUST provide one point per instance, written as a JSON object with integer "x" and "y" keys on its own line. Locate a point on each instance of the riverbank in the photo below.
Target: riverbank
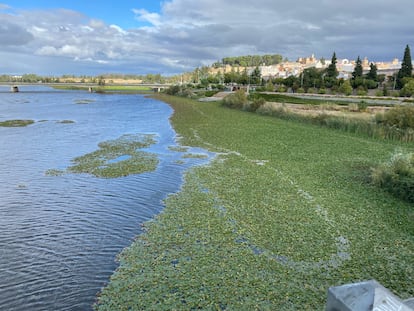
{"x": 282, "y": 213}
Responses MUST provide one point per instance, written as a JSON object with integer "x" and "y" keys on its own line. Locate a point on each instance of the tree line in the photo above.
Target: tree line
{"x": 251, "y": 60}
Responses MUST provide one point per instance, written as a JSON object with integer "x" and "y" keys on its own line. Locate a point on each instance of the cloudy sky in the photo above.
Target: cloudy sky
{"x": 168, "y": 37}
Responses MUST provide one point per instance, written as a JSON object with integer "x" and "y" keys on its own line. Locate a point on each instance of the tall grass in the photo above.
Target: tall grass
{"x": 370, "y": 128}
{"x": 397, "y": 175}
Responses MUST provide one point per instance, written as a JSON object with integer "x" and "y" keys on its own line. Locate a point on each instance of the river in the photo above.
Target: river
{"x": 59, "y": 235}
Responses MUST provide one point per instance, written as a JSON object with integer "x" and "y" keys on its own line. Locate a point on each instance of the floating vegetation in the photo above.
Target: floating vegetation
{"x": 116, "y": 158}
{"x": 195, "y": 156}
{"x": 84, "y": 101}
{"x": 66, "y": 121}
{"x": 54, "y": 172}
{"x": 16, "y": 123}
{"x": 178, "y": 148}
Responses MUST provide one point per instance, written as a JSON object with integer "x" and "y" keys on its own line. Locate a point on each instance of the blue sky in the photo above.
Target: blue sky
{"x": 91, "y": 37}
{"x": 114, "y": 12}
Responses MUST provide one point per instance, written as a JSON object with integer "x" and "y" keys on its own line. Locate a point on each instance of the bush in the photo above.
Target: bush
{"x": 362, "y": 105}
{"x": 281, "y": 89}
{"x": 361, "y": 91}
{"x": 255, "y": 104}
{"x": 173, "y": 90}
{"x": 401, "y": 117}
{"x": 269, "y": 87}
{"x": 396, "y": 176}
{"x": 236, "y": 100}
{"x": 346, "y": 88}
{"x": 353, "y": 107}
{"x": 408, "y": 89}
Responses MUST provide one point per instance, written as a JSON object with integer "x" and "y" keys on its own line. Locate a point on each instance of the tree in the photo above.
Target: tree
{"x": 345, "y": 88}
{"x": 256, "y": 76}
{"x": 357, "y": 79}
{"x": 408, "y": 88}
{"x": 406, "y": 68}
{"x": 357, "y": 73}
{"x": 243, "y": 78}
{"x": 331, "y": 74}
{"x": 331, "y": 71}
{"x": 312, "y": 77}
{"x": 101, "y": 81}
{"x": 372, "y": 74}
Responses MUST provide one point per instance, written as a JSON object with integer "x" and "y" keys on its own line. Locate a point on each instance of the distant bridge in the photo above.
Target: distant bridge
{"x": 156, "y": 87}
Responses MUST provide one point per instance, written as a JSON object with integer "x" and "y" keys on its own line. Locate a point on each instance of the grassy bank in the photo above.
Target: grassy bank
{"x": 283, "y": 212}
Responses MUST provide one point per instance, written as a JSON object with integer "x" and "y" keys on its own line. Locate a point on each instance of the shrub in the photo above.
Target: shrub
{"x": 361, "y": 91}
{"x": 396, "y": 176}
{"x": 408, "y": 89}
{"x": 362, "y": 105}
{"x": 236, "y": 100}
{"x": 255, "y": 104}
{"x": 281, "y": 89}
{"x": 353, "y": 107}
{"x": 269, "y": 87}
{"x": 401, "y": 117}
{"x": 173, "y": 90}
{"x": 346, "y": 88}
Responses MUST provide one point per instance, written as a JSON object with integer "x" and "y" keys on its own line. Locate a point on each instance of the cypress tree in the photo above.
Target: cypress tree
{"x": 357, "y": 73}
{"x": 372, "y": 74}
{"x": 331, "y": 71}
{"x": 406, "y": 68}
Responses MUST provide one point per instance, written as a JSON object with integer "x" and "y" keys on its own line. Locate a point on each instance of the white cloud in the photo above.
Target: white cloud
{"x": 118, "y": 29}
{"x": 47, "y": 50}
{"x": 98, "y": 24}
{"x": 4, "y": 6}
{"x": 145, "y": 16}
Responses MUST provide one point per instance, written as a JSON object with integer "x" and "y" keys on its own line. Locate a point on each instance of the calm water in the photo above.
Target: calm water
{"x": 59, "y": 235}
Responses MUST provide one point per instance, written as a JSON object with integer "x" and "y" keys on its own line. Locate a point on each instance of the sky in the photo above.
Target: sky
{"x": 92, "y": 37}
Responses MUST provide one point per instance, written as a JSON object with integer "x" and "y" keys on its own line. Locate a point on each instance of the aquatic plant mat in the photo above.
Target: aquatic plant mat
{"x": 16, "y": 123}
{"x": 116, "y": 158}
{"x": 283, "y": 212}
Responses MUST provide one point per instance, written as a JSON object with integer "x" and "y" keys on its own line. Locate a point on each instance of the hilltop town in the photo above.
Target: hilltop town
{"x": 285, "y": 69}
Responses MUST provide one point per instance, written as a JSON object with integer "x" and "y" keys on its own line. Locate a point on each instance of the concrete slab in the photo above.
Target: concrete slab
{"x": 364, "y": 296}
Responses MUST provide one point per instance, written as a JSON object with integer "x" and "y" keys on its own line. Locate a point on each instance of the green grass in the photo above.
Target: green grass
{"x": 282, "y": 213}
{"x": 281, "y": 98}
{"x": 16, "y": 123}
{"x": 126, "y": 88}
{"x": 365, "y": 127}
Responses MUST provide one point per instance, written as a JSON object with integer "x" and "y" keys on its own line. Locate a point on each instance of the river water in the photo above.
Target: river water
{"x": 59, "y": 235}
